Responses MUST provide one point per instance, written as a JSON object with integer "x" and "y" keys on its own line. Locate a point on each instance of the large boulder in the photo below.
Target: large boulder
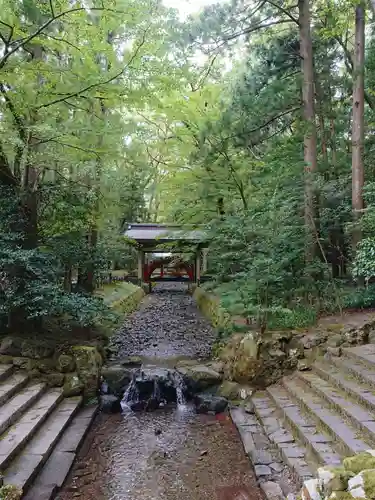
{"x": 241, "y": 357}
{"x": 65, "y": 363}
{"x": 73, "y": 386}
{"x": 117, "y": 378}
{"x": 88, "y": 362}
{"x": 108, "y": 403}
{"x": 229, "y": 390}
{"x": 207, "y": 403}
{"x": 361, "y": 461}
{"x": 199, "y": 377}
{"x": 11, "y": 346}
{"x": 36, "y": 349}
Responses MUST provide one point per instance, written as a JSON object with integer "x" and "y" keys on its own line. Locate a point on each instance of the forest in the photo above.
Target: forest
{"x": 252, "y": 118}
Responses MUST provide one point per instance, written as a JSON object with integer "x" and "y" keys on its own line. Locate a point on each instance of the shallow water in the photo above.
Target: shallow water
{"x": 165, "y": 455}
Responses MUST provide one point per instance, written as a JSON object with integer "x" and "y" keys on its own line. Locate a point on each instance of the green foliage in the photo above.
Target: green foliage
{"x": 359, "y": 298}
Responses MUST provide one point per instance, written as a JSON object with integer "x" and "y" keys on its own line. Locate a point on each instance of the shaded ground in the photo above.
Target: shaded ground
{"x": 169, "y": 454}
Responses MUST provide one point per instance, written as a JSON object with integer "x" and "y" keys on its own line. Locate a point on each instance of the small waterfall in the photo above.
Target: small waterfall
{"x": 152, "y": 388}
{"x": 131, "y": 395}
{"x": 180, "y": 390}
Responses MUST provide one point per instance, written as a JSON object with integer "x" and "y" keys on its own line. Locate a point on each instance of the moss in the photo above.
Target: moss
{"x": 10, "y": 492}
{"x": 359, "y": 463}
{"x": 229, "y": 390}
{"x": 341, "y": 495}
{"x": 89, "y": 363}
{"x": 210, "y": 307}
{"x": 335, "y": 327}
{"x": 369, "y": 483}
{"x": 6, "y": 360}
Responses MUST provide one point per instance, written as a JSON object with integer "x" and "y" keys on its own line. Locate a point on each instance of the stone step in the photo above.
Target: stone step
{"x": 5, "y": 371}
{"x": 364, "y": 394}
{"x": 16, "y": 437}
{"x": 28, "y": 463}
{"x": 57, "y": 467}
{"x": 351, "y": 365}
{"x": 365, "y": 354}
{"x": 12, "y": 385}
{"x": 320, "y": 445}
{"x": 327, "y": 420}
{"x": 359, "y": 417}
{"x": 18, "y": 404}
{"x": 294, "y": 454}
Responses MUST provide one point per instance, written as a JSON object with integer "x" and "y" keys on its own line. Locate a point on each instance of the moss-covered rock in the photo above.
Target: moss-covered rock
{"x": 211, "y": 308}
{"x": 36, "y": 349}
{"x": 229, "y": 390}
{"x": 11, "y": 346}
{"x": 65, "y": 363}
{"x": 363, "y": 484}
{"x": 54, "y": 379}
{"x": 89, "y": 362}
{"x": 199, "y": 377}
{"x": 10, "y": 492}
{"x": 334, "y": 478}
{"x": 117, "y": 378}
{"x": 5, "y": 359}
{"x": 360, "y": 462}
{"x": 72, "y": 385}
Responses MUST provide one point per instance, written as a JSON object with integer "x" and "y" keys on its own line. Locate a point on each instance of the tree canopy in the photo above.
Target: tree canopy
{"x": 253, "y": 118}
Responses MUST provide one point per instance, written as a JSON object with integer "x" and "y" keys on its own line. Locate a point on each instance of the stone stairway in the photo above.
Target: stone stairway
{"x": 318, "y": 417}
{"x": 40, "y": 432}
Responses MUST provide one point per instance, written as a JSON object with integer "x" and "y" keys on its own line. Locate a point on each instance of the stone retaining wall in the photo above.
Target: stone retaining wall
{"x": 76, "y": 369}
{"x": 262, "y": 359}
{"x": 210, "y": 307}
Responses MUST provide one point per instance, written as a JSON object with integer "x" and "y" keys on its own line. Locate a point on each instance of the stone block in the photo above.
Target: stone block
{"x": 260, "y": 457}
{"x": 272, "y": 490}
{"x": 262, "y": 470}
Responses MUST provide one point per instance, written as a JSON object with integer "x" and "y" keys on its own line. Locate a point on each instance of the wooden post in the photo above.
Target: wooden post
{"x": 140, "y": 266}
{"x": 204, "y": 260}
{"x": 197, "y": 267}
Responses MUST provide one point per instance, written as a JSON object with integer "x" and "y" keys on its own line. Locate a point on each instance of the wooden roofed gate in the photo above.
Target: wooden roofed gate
{"x": 158, "y": 243}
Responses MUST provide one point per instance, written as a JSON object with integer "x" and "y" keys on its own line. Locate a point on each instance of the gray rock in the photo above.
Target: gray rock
{"x": 65, "y": 363}
{"x": 11, "y": 346}
{"x": 312, "y": 340}
{"x": 302, "y": 365}
{"x": 249, "y": 407}
{"x": 261, "y": 457}
{"x": 371, "y": 337}
{"x": 272, "y": 490}
{"x": 334, "y": 351}
{"x": 117, "y": 378}
{"x": 206, "y": 403}
{"x": 277, "y": 466}
{"x": 108, "y": 403}
{"x": 36, "y": 349}
{"x": 262, "y": 470}
{"x": 200, "y": 377}
{"x": 334, "y": 340}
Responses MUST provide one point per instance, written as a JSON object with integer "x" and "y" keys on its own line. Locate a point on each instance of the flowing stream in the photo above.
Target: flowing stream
{"x": 171, "y": 453}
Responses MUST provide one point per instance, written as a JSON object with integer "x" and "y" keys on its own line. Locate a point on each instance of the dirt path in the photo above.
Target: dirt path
{"x": 170, "y": 454}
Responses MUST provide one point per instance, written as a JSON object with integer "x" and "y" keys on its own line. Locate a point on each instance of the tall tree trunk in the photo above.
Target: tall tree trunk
{"x": 358, "y": 123}
{"x": 310, "y": 156}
